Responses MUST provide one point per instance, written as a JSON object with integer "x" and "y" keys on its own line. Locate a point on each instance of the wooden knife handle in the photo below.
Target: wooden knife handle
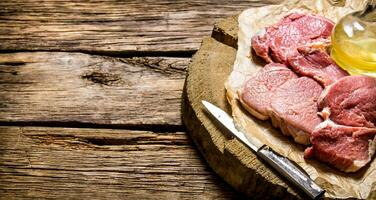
{"x": 290, "y": 171}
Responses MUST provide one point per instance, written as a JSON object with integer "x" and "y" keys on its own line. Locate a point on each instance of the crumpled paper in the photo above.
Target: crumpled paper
{"x": 337, "y": 184}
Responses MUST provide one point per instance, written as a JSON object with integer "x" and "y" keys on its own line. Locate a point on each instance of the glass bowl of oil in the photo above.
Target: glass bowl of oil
{"x": 354, "y": 43}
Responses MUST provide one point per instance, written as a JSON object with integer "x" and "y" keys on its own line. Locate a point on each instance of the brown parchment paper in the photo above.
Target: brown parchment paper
{"x": 338, "y": 184}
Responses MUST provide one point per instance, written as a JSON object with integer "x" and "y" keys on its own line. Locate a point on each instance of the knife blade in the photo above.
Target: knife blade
{"x": 280, "y": 163}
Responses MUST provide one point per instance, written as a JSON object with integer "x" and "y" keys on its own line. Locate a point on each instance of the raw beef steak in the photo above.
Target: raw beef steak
{"x": 257, "y": 92}
{"x": 350, "y": 101}
{"x": 300, "y": 41}
{"x": 317, "y": 64}
{"x": 344, "y": 147}
{"x": 280, "y": 41}
{"x": 294, "y": 108}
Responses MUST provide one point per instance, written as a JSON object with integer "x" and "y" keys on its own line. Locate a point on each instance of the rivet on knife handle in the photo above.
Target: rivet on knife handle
{"x": 291, "y": 172}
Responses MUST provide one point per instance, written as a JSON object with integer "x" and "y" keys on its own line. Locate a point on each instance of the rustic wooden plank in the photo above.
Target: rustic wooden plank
{"x": 112, "y": 26}
{"x": 55, "y": 163}
{"x": 71, "y": 88}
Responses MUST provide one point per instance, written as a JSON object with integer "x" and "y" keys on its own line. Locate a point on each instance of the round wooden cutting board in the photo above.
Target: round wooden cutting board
{"x": 234, "y": 162}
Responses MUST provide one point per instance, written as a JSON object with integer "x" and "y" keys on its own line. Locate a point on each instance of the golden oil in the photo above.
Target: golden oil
{"x": 354, "y": 44}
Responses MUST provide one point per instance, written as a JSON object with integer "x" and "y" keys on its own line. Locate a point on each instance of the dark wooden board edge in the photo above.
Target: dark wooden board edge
{"x": 226, "y": 31}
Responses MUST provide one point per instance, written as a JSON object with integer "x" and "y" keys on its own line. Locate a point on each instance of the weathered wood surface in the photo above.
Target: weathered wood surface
{"x": 146, "y": 157}
{"x": 112, "y": 27}
{"x": 66, "y": 163}
{"x": 69, "y": 89}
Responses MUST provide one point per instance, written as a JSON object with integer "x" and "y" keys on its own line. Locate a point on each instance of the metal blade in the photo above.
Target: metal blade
{"x": 228, "y": 122}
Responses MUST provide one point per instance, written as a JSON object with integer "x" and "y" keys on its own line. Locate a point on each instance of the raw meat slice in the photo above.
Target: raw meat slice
{"x": 280, "y": 41}
{"x": 300, "y": 41}
{"x": 344, "y": 147}
{"x": 257, "y": 92}
{"x": 294, "y": 108}
{"x": 317, "y": 64}
{"x": 350, "y": 101}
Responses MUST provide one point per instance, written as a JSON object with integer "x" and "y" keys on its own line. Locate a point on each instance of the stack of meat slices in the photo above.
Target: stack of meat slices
{"x": 309, "y": 97}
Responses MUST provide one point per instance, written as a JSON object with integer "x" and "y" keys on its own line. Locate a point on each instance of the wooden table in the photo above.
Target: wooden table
{"x": 90, "y": 96}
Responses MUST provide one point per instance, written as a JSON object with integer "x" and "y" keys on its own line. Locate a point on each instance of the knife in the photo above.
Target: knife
{"x": 280, "y": 163}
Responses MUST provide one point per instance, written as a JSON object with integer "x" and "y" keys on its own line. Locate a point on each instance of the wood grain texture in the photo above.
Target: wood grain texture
{"x": 241, "y": 168}
{"x": 74, "y": 88}
{"x": 111, "y": 26}
{"x": 71, "y": 163}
